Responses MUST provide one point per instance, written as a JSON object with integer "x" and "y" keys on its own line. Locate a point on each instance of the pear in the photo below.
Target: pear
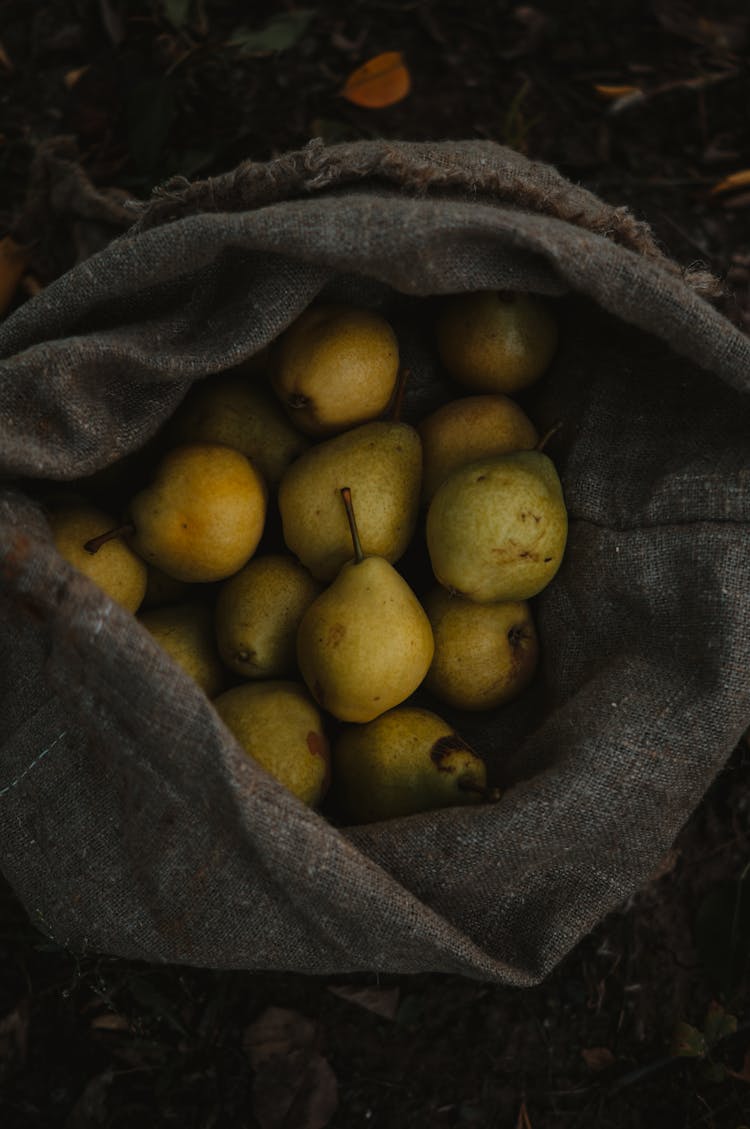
{"x": 278, "y": 725}
{"x": 496, "y": 340}
{"x": 465, "y": 430}
{"x": 115, "y": 567}
{"x": 203, "y": 516}
{"x": 496, "y": 529}
{"x": 365, "y": 644}
{"x": 186, "y": 633}
{"x": 485, "y": 654}
{"x": 382, "y": 462}
{"x": 335, "y": 367}
{"x": 258, "y": 612}
{"x": 235, "y": 411}
{"x": 406, "y": 761}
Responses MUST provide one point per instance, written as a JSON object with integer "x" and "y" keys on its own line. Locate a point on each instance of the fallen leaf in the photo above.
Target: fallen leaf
{"x": 524, "y": 1121}
{"x": 611, "y": 93}
{"x": 277, "y": 1032}
{"x": 597, "y": 1058}
{"x": 294, "y": 1086}
{"x": 109, "y": 1021}
{"x": 13, "y": 263}
{"x": 91, "y": 1106}
{"x": 743, "y": 1074}
{"x": 382, "y": 81}
{"x": 177, "y": 12}
{"x": 5, "y": 61}
{"x": 687, "y": 1041}
{"x": 279, "y": 34}
{"x": 381, "y": 1001}
{"x": 739, "y": 179}
{"x": 14, "y": 1035}
{"x": 718, "y": 1024}
{"x": 113, "y": 17}
{"x": 72, "y": 77}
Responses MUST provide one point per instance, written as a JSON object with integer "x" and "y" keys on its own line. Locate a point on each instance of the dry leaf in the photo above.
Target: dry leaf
{"x": 743, "y": 1074}
{"x": 5, "y": 61}
{"x": 524, "y": 1121}
{"x": 72, "y": 77}
{"x": 109, "y": 1021}
{"x": 14, "y": 1036}
{"x": 382, "y": 81}
{"x": 13, "y": 263}
{"x": 294, "y": 1086}
{"x": 612, "y": 93}
{"x": 381, "y": 1001}
{"x": 597, "y": 1058}
{"x": 739, "y": 179}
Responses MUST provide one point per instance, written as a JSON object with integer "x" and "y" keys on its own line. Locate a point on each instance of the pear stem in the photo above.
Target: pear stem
{"x": 398, "y": 394}
{"x": 95, "y": 544}
{"x": 548, "y": 435}
{"x": 346, "y": 494}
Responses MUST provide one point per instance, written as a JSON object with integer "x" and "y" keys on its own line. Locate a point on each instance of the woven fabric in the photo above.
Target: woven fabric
{"x": 131, "y": 822}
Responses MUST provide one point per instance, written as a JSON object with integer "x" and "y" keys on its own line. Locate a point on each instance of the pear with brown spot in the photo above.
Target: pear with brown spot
{"x": 278, "y": 725}
{"x": 485, "y": 654}
{"x": 497, "y": 528}
{"x": 366, "y": 643}
{"x": 407, "y": 761}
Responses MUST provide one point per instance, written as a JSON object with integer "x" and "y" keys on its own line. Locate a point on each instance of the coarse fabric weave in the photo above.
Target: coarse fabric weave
{"x": 131, "y": 822}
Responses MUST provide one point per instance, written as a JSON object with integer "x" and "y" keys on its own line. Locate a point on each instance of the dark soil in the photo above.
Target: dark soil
{"x": 103, "y": 1042}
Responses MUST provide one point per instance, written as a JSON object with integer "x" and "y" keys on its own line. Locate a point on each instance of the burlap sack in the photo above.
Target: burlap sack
{"x": 131, "y": 822}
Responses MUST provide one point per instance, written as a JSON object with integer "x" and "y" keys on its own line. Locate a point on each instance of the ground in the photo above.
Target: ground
{"x": 647, "y": 1021}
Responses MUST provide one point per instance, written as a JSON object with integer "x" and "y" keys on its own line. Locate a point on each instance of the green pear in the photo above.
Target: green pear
{"x": 496, "y": 529}
{"x": 496, "y": 340}
{"x": 334, "y": 367}
{"x": 406, "y": 761}
{"x": 465, "y": 430}
{"x": 236, "y": 411}
{"x": 278, "y": 725}
{"x": 186, "y": 633}
{"x": 485, "y": 654}
{"x": 115, "y": 567}
{"x": 203, "y": 516}
{"x": 365, "y": 644}
{"x": 258, "y": 612}
{"x": 382, "y": 462}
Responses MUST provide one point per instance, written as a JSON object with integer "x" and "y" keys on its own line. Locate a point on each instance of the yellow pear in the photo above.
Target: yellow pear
{"x": 465, "y": 430}
{"x": 114, "y": 567}
{"x": 202, "y": 517}
{"x": 485, "y": 654}
{"x": 382, "y": 463}
{"x": 278, "y": 725}
{"x": 335, "y": 367}
{"x": 258, "y": 611}
{"x": 365, "y": 644}
{"x": 406, "y": 761}
{"x": 186, "y": 632}
{"x": 496, "y": 529}
{"x": 496, "y": 340}
{"x": 236, "y": 411}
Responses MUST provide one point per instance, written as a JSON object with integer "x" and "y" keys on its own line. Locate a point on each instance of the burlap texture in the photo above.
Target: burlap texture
{"x": 131, "y": 822}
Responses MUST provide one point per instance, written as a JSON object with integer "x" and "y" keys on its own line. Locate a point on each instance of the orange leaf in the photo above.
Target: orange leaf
{"x": 382, "y": 81}
{"x": 739, "y": 179}
{"x": 72, "y": 77}
{"x": 13, "y": 263}
{"x": 611, "y": 93}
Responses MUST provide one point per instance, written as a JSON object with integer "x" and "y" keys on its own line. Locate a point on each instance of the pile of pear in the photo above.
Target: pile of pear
{"x": 261, "y": 555}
